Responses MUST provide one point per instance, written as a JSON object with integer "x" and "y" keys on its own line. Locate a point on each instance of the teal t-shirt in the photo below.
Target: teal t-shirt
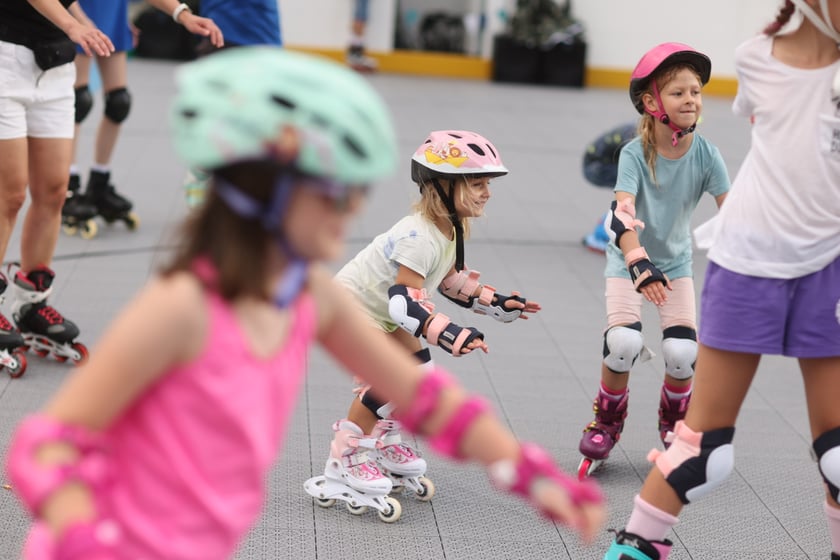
{"x": 666, "y": 208}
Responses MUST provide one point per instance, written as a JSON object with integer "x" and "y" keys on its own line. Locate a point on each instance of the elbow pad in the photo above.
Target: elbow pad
{"x": 620, "y": 219}
{"x": 410, "y": 308}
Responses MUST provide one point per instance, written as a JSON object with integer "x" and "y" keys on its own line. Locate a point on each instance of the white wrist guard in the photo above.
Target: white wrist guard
{"x": 497, "y": 310}
{"x": 176, "y": 13}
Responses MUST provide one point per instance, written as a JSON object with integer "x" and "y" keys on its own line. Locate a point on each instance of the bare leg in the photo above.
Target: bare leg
{"x": 14, "y": 177}
{"x": 82, "y": 78}
{"x": 721, "y": 383}
{"x": 49, "y": 160}
{"x": 114, "y": 70}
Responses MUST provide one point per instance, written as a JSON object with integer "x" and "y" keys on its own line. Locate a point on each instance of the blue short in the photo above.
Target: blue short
{"x": 360, "y": 11}
{"x": 111, "y": 17}
{"x": 799, "y": 317}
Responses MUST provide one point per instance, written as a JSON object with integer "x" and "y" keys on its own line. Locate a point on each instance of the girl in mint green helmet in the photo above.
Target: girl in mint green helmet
{"x": 160, "y": 445}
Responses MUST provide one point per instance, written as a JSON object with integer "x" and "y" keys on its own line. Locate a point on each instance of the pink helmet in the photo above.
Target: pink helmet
{"x": 661, "y": 56}
{"x": 455, "y": 152}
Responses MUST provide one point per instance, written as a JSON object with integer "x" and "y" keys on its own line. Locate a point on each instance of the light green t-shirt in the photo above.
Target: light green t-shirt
{"x": 666, "y": 208}
{"x": 413, "y": 242}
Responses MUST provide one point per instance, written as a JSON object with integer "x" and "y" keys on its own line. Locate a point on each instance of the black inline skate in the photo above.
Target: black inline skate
{"x": 77, "y": 213}
{"x": 108, "y": 203}
{"x": 45, "y": 331}
{"x": 12, "y": 349}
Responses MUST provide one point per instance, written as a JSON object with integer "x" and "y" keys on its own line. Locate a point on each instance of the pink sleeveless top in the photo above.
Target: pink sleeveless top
{"x": 193, "y": 453}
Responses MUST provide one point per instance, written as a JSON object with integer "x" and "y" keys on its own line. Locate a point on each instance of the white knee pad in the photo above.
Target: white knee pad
{"x": 696, "y": 462}
{"x": 622, "y": 346}
{"x": 679, "y": 350}
{"x": 827, "y": 453}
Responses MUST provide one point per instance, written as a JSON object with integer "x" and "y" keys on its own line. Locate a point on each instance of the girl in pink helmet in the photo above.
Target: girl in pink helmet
{"x": 773, "y": 281}
{"x": 662, "y": 174}
{"x": 393, "y": 279}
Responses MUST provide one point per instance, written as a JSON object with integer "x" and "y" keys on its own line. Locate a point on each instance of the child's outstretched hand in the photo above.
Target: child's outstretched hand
{"x": 477, "y": 344}
{"x": 516, "y": 302}
{"x": 536, "y": 477}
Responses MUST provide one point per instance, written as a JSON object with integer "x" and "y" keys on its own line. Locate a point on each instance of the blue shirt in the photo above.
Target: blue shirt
{"x": 666, "y": 208}
{"x": 245, "y": 22}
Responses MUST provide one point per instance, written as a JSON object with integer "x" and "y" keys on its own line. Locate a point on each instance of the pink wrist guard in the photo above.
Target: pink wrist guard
{"x": 447, "y": 442}
{"x": 96, "y": 540}
{"x": 634, "y": 255}
{"x": 534, "y": 465}
{"x": 34, "y": 482}
{"x": 425, "y": 399}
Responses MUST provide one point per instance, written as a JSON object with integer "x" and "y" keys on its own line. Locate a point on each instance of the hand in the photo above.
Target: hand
{"x": 477, "y": 344}
{"x": 202, "y": 26}
{"x": 92, "y": 40}
{"x": 587, "y": 518}
{"x": 649, "y": 280}
{"x": 529, "y": 306}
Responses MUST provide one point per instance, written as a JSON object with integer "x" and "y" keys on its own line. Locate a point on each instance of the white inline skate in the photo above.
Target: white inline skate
{"x": 400, "y": 462}
{"x": 352, "y": 477}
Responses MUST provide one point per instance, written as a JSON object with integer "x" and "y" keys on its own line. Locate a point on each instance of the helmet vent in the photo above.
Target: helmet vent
{"x": 477, "y": 149}
{"x": 283, "y": 101}
{"x": 189, "y": 113}
{"x": 490, "y": 148}
{"x": 458, "y": 136}
{"x": 354, "y": 147}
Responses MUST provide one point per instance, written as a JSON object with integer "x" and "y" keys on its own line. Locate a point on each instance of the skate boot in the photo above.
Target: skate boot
{"x": 601, "y": 435}
{"x": 77, "y": 213}
{"x": 400, "y": 462}
{"x": 351, "y": 476}
{"x": 12, "y": 355}
{"x": 109, "y": 204}
{"x": 358, "y": 61}
{"x": 597, "y": 240}
{"x": 45, "y": 331}
{"x": 628, "y": 546}
{"x": 670, "y": 412}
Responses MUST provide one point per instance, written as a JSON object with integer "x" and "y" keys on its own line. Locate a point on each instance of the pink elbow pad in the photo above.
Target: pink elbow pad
{"x": 447, "y": 442}
{"x": 425, "y": 399}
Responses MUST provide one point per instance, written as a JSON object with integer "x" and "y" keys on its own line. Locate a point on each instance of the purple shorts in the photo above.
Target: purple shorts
{"x": 799, "y": 317}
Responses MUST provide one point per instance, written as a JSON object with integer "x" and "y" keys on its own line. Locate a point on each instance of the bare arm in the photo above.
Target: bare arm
{"x": 86, "y": 36}
{"x": 163, "y": 326}
{"x": 194, "y": 24}
{"x": 720, "y": 198}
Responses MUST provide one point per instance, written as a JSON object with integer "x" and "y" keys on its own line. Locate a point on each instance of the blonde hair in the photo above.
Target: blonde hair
{"x": 431, "y": 206}
{"x": 647, "y": 123}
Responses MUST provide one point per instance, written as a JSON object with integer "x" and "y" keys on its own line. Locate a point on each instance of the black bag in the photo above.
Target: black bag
{"x": 54, "y": 53}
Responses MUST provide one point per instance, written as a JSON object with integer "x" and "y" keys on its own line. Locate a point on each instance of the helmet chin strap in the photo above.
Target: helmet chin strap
{"x": 663, "y": 117}
{"x": 270, "y": 216}
{"x": 822, "y": 23}
{"x": 449, "y": 202}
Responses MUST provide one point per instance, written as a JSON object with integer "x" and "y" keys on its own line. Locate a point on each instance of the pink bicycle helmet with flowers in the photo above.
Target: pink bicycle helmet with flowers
{"x": 448, "y": 153}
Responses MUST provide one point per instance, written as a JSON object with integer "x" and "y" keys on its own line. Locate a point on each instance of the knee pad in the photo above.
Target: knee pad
{"x": 117, "y": 105}
{"x": 827, "y": 453}
{"x": 696, "y": 462}
{"x": 679, "y": 350}
{"x": 84, "y": 103}
{"x": 622, "y": 346}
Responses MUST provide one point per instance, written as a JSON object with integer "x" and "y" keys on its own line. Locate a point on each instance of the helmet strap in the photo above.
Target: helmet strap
{"x": 449, "y": 202}
{"x": 270, "y": 216}
{"x": 822, "y": 23}
{"x": 660, "y": 115}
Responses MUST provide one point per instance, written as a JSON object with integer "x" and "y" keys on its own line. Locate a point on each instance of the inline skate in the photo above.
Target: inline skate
{"x": 77, "y": 214}
{"x": 45, "y": 331}
{"x": 601, "y": 435}
{"x": 108, "y": 203}
{"x": 359, "y": 61}
{"x": 12, "y": 355}
{"x": 671, "y": 411}
{"x": 351, "y": 476}
{"x": 628, "y": 546}
{"x": 400, "y": 462}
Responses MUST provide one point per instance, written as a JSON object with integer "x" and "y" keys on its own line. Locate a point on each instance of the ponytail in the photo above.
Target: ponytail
{"x": 784, "y": 15}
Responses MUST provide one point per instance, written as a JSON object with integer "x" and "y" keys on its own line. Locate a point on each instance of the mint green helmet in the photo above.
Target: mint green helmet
{"x": 234, "y": 105}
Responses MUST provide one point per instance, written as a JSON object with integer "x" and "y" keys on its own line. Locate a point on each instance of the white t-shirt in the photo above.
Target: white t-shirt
{"x": 413, "y": 242}
{"x": 782, "y": 216}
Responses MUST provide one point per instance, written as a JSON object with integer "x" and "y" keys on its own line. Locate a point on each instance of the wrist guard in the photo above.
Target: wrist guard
{"x": 449, "y": 336}
{"x": 642, "y": 271}
{"x": 497, "y": 309}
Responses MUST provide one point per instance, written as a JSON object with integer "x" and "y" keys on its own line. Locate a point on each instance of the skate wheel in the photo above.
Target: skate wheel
{"x": 394, "y": 512}
{"x": 356, "y": 510}
{"x": 20, "y": 369}
{"x": 324, "y": 503}
{"x": 82, "y": 351}
{"x": 59, "y": 358}
{"x": 41, "y": 352}
{"x": 428, "y": 491}
{"x": 587, "y": 467}
{"x": 69, "y": 229}
{"x": 132, "y": 221}
{"x": 89, "y": 229}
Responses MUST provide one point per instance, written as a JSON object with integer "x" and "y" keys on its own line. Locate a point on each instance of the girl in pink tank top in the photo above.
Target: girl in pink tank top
{"x": 160, "y": 445}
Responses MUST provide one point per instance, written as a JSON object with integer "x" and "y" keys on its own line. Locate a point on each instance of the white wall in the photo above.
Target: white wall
{"x": 618, "y": 31}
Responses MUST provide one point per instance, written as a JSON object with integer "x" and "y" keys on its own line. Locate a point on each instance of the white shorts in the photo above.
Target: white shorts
{"x": 33, "y": 102}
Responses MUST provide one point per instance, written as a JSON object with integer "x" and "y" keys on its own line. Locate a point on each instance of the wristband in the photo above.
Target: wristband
{"x": 176, "y": 13}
